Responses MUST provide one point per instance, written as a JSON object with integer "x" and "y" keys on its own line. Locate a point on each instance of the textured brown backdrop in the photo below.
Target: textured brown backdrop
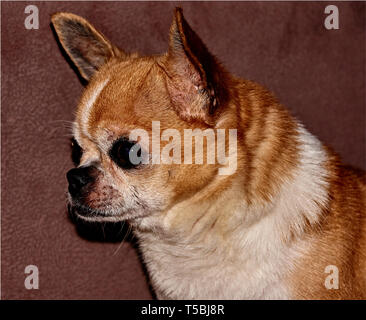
{"x": 318, "y": 74}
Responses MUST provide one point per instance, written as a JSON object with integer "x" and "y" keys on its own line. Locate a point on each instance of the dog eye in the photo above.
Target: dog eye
{"x": 126, "y": 154}
{"x": 76, "y": 152}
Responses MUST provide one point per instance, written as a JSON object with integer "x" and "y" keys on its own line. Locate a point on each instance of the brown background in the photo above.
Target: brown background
{"x": 318, "y": 74}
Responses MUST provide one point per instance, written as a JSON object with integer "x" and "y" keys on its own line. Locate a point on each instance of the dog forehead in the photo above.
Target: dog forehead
{"x": 124, "y": 94}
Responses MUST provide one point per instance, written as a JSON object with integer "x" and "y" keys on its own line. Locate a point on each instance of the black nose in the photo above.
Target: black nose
{"x": 78, "y": 178}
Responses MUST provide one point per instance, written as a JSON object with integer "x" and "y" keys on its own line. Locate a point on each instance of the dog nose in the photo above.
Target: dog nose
{"x": 78, "y": 178}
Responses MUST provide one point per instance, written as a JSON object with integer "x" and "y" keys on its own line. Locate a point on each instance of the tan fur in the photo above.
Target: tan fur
{"x": 266, "y": 232}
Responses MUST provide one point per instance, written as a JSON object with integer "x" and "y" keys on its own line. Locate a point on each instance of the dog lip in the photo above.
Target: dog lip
{"x": 87, "y": 211}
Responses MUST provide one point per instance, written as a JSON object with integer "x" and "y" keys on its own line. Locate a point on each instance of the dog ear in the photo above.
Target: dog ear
{"x": 87, "y": 48}
{"x": 196, "y": 80}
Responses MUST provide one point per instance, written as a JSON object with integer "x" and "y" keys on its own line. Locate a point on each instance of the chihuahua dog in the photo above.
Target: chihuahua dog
{"x": 288, "y": 222}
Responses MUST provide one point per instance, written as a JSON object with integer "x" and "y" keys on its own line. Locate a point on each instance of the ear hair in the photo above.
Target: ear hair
{"x": 197, "y": 81}
{"x": 86, "y": 47}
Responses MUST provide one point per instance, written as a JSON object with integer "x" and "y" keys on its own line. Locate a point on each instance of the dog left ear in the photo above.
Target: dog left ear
{"x": 196, "y": 80}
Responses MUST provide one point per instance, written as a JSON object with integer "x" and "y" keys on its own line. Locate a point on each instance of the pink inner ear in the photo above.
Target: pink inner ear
{"x": 193, "y": 73}
{"x": 186, "y": 98}
{"x": 181, "y": 66}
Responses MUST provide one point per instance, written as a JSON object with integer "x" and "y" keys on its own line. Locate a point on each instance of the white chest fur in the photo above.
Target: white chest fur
{"x": 198, "y": 274}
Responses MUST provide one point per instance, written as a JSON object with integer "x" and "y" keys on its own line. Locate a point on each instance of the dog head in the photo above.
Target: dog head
{"x": 127, "y": 97}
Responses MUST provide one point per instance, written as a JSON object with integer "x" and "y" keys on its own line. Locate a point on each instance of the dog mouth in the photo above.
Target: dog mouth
{"x": 86, "y": 212}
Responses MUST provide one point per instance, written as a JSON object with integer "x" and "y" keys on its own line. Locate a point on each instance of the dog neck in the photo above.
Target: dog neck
{"x": 239, "y": 232}
{"x": 295, "y": 203}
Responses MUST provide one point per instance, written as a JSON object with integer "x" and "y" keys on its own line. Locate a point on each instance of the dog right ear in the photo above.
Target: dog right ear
{"x": 87, "y": 48}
